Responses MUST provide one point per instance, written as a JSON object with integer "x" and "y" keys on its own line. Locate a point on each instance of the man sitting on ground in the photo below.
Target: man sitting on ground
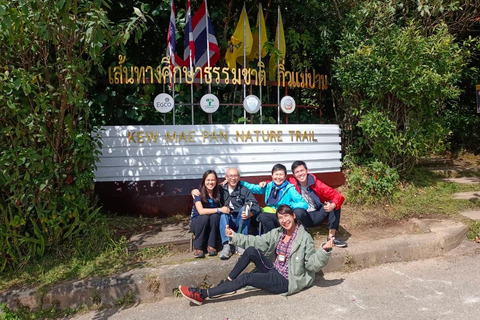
{"x": 323, "y": 201}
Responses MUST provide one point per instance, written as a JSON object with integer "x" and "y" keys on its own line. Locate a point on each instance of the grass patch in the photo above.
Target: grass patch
{"x": 431, "y": 196}
{"x": 127, "y": 300}
{"x": 474, "y": 232}
{"x": 422, "y": 194}
{"x": 26, "y": 313}
{"x": 54, "y": 268}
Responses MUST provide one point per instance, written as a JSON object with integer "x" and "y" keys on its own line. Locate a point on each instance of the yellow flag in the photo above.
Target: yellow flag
{"x": 280, "y": 45}
{"x": 235, "y": 46}
{"x": 263, "y": 37}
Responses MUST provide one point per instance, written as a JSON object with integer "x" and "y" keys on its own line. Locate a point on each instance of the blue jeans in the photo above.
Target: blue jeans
{"x": 234, "y": 222}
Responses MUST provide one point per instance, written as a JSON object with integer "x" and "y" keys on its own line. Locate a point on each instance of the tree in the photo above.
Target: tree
{"x": 47, "y": 53}
{"x": 396, "y": 78}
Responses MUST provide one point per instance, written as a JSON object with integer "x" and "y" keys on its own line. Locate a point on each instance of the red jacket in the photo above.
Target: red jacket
{"x": 324, "y": 192}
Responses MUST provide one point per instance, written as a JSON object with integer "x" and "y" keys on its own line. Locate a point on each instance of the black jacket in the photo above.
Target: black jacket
{"x": 239, "y": 197}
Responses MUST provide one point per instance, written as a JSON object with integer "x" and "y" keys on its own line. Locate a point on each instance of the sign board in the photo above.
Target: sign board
{"x": 209, "y": 103}
{"x": 163, "y": 103}
{"x": 139, "y": 153}
{"x": 252, "y": 104}
{"x": 287, "y": 104}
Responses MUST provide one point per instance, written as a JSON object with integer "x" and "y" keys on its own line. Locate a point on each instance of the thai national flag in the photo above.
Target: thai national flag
{"x": 175, "y": 60}
{"x": 189, "y": 44}
{"x": 200, "y": 21}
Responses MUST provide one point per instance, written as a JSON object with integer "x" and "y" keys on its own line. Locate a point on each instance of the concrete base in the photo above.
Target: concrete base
{"x": 474, "y": 215}
{"x": 464, "y": 180}
{"x": 173, "y": 234}
{"x": 149, "y": 284}
{"x": 470, "y": 195}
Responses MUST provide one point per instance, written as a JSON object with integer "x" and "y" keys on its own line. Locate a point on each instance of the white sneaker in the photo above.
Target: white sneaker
{"x": 225, "y": 253}
{"x": 240, "y": 251}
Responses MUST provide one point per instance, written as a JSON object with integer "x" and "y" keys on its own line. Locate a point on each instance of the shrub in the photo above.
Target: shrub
{"x": 396, "y": 78}
{"x": 47, "y": 152}
{"x": 371, "y": 183}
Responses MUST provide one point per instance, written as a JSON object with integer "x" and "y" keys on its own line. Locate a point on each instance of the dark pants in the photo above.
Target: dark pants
{"x": 204, "y": 226}
{"x": 316, "y": 218}
{"x": 269, "y": 220}
{"x": 266, "y": 277}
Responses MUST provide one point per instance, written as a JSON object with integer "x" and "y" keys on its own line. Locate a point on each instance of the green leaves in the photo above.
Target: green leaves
{"x": 372, "y": 183}
{"x": 395, "y": 79}
{"x": 47, "y": 153}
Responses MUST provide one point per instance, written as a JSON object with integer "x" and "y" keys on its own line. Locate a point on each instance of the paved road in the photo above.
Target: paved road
{"x": 441, "y": 288}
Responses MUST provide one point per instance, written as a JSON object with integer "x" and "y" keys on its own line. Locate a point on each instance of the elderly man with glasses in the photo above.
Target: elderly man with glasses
{"x": 237, "y": 198}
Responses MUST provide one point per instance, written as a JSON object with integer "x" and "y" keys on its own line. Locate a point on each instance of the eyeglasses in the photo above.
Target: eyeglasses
{"x": 233, "y": 176}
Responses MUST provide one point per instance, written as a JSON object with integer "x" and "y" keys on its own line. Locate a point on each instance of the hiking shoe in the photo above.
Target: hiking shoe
{"x": 192, "y": 294}
{"x": 225, "y": 253}
{"x": 198, "y": 253}
{"x": 338, "y": 243}
{"x": 240, "y": 251}
{"x": 211, "y": 251}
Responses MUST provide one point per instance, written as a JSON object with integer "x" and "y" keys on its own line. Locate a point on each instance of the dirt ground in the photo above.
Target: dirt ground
{"x": 363, "y": 222}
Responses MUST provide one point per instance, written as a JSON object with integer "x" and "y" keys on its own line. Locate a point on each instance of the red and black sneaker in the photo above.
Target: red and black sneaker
{"x": 192, "y": 294}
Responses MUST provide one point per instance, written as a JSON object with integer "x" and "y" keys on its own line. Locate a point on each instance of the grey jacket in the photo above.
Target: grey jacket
{"x": 304, "y": 260}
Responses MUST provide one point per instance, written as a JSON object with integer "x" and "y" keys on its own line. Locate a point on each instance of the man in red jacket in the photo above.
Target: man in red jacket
{"x": 323, "y": 201}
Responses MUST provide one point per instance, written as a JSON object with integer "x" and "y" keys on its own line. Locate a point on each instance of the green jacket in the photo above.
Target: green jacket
{"x": 304, "y": 260}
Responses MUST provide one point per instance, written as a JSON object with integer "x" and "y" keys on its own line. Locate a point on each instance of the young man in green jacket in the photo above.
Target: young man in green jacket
{"x": 285, "y": 258}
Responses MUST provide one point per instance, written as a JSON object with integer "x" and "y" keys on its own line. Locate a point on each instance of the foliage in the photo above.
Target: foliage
{"x": 396, "y": 80}
{"x": 461, "y": 118}
{"x": 52, "y": 269}
{"x": 424, "y": 193}
{"x": 127, "y": 300}
{"x": 474, "y": 232}
{"x": 132, "y": 104}
{"x": 25, "y": 313}
{"x": 372, "y": 183}
{"x": 47, "y": 152}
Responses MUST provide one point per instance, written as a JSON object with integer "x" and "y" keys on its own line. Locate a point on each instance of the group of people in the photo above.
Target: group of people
{"x": 284, "y": 254}
{"x": 232, "y": 203}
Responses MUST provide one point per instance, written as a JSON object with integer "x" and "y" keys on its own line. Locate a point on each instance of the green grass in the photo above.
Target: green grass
{"x": 53, "y": 269}
{"x": 474, "y": 230}
{"x": 26, "y": 313}
{"x": 434, "y": 199}
{"x": 56, "y": 267}
{"x": 423, "y": 194}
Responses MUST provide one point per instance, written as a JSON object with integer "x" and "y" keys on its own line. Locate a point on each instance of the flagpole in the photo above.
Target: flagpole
{"x": 172, "y": 83}
{"x": 278, "y": 62}
{"x": 189, "y": 12}
{"x": 191, "y": 97}
{"x": 260, "y": 54}
{"x": 172, "y": 59}
{"x": 208, "y": 44}
{"x": 173, "y": 90}
{"x": 191, "y": 88}
{"x": 244, "y": 60}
